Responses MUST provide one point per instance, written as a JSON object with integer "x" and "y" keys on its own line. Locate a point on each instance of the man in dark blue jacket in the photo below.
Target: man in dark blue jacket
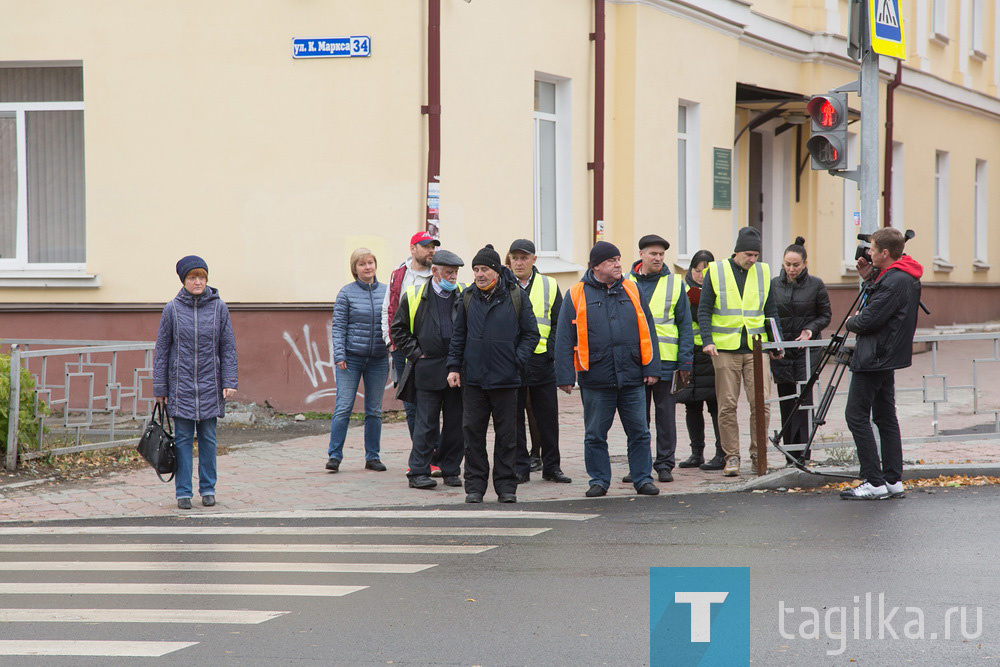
{"x": 884, "y": 327}
{"x": 606, "y": 333}
{"x": 495, "y": 334}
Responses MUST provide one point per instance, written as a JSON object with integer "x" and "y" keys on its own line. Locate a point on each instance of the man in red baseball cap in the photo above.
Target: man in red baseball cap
{"x": 414, "y": 271}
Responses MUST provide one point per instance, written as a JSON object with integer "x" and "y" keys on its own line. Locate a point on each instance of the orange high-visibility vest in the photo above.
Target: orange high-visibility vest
{"x": 581, "y": 355}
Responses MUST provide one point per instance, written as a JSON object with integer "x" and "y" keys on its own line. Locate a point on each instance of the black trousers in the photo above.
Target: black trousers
{"x": 798, "y": 429}
{"x": 694, "y": 417}
{"x": 659, "y": 395}
{"x": 426, "y": 439}
{"x": 873, "y": 397}
{"x": 479, "y": 404}
{"x": 545, "y": 406}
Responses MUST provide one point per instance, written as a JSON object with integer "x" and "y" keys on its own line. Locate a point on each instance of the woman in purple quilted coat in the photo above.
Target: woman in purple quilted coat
{"x": 194, "y": 372}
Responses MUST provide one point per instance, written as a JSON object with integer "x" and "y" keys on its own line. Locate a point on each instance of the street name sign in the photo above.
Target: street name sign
{"x": 355, "y": 46}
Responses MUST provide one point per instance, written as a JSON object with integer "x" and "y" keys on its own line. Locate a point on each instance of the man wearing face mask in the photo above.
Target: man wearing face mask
{"x": 422, "y": 330}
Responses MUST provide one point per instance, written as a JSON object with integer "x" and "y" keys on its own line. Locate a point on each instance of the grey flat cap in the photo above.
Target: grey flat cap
{"x": 444, "y": 257}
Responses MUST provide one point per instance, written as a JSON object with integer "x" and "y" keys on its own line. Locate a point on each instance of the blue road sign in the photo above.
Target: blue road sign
{"x": 355, "y": 46}
{"x": 887, "y": 28}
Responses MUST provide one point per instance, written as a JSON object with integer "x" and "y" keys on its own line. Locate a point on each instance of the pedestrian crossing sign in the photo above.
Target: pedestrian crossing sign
{"x": 886, "y": 28}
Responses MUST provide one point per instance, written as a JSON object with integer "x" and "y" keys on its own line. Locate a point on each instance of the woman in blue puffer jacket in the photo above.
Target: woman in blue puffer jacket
{"x": 359, "y": 352}
{"x": 194, "y": 372}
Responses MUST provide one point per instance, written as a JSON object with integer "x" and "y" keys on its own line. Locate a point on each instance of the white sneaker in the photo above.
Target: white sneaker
{"x": 865, "y": 492}
{"x": 896, "y": 490}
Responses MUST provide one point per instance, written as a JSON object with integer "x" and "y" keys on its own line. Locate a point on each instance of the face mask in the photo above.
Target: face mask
{"x": 447, "y": 286}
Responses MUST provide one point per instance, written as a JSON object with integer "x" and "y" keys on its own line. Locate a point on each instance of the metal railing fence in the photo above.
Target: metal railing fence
{"x": 88, "y": 394}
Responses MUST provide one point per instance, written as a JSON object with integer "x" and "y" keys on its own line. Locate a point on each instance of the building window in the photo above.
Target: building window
{"x": 898, "y": 190}
{"x": 552, "y": 165}
{"x": 939, "y": 19}
{"x": 42, "y": 201}
{"x": 687, "y": 180}
{"x": 980, "y": 216}
{"x": 941, "y": 206}
{"x": 976, "y": 26}
{"x": 851, "y": 207}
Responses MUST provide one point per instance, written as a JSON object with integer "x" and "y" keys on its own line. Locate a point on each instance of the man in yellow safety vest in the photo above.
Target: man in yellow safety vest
{"x": 735, "y": 300}
{"x": 539, "y": 374}
{"x": 666, "y": 297}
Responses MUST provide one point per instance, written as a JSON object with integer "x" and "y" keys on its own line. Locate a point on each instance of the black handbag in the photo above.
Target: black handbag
{"x": 157, "y": 444}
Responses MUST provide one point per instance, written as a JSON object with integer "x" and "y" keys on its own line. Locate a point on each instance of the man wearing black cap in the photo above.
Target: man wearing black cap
{"x": 539, "y": 389}
{"x": 495, "y": 334}
{"x": 422, "y": 330}
{"x": 606, "y": 333}
{"x": 735, "y": 300}
{"x": 664, "y": 293}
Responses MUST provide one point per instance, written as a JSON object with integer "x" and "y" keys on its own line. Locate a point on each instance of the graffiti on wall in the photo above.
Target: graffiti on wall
{"x": 319, "y": 369}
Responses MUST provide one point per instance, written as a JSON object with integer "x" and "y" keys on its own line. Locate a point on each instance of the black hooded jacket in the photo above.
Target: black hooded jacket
{"x": 888, "y": 318}
{"x": 802, "y": 304}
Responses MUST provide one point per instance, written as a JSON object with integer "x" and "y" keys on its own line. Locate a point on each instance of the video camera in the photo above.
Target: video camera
{"x": 864, "y": 248}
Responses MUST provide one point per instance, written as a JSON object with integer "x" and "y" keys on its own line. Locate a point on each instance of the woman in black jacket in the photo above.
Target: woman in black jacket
{"x": 804, "y": 310}
{"x": 700, "y": 391}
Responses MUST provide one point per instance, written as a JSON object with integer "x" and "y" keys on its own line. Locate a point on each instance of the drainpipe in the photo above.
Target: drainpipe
{"x": 433, "y": 112}
{"x": 890, "y": 95}
{"x": 598, "y": 37}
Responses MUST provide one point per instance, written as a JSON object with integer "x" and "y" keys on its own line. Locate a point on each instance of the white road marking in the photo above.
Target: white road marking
{"x": 194, "y": 616}
{"x": 175, "y": 589}
{"x": 42, "y": 547}
{"x": 203, "y": 566}
{"x": 91, "y": 648}
{"x": 425, "y": 531}
{"x": 398, "y": 514}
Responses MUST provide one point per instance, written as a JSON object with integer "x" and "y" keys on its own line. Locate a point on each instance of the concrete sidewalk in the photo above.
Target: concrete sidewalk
{"x": 290, "y": 475}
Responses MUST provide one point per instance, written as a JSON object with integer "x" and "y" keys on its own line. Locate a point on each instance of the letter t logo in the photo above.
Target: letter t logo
{"x": 701, "y": 611}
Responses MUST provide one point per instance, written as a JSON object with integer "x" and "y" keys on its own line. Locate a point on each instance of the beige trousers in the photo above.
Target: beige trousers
{"x": 731, "y": 369}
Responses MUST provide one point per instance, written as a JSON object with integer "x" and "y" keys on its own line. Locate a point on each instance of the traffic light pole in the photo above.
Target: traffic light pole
{"x": 868, "y": 184}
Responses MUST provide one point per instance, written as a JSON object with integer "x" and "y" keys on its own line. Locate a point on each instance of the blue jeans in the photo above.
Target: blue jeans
{"x": 184, "y": 430}
{"x": 375, "y": 371}
{"x": 599, "y": 406}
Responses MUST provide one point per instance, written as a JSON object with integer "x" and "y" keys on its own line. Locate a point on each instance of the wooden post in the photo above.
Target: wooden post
{"x": 758, "y": 401}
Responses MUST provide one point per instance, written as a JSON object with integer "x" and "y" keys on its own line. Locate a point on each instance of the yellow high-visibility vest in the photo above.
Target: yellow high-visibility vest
{"x": 731, "y": 313}
{"x": 413, "y": 296}
{"x": 663, "y": 304}
{"x": 543, "y": 293}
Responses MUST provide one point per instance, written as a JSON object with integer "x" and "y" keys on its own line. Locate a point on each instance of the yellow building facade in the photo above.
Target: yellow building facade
{"x": 133, "y": 132}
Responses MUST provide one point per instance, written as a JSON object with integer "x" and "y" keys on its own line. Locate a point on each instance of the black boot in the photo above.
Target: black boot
{"x": 717, "y": 463}
{"x": 695, "y": 460}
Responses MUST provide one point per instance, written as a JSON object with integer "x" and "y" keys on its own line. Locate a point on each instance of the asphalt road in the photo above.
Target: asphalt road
{"x": 553, "y": 591}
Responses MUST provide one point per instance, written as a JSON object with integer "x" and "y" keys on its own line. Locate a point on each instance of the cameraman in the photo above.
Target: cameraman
{"x": 884, "y": 326}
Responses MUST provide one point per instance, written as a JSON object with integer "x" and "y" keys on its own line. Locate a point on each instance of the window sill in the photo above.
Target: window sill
{"x": 979, "y": 265}
{"x": 940, "y": 39}
{"x": 48, "y": 278}
{"x": 943, "y": 266}
{"x": 549, "y": 265}
{"x": 849, "y": 270}
{"x": 976, "y": 54}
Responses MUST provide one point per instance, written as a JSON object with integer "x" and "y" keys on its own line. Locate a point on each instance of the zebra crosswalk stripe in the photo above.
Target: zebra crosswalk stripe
{"x": 423, "y": 531}
{"x": 458, "y": 549}
{"x": 118, "y": 649}
{"x": 183, "y": 566}
{"x": 106, "y": 589}
{"x": 193, "y": 616}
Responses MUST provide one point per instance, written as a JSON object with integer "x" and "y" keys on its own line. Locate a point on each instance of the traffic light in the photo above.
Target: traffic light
{"x": 828, "y": 144}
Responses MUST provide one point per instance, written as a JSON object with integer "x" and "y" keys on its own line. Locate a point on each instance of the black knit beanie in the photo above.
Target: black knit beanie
{"x": 748, "y": 240}
{"x": 603, "y": 251}
{"x": 488, "y": 257}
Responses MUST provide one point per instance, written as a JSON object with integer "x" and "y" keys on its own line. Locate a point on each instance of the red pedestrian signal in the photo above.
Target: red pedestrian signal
{"x": 828, "y": 144}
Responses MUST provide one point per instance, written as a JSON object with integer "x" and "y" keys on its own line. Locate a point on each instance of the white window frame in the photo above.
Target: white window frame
{"x": 976, "y": 17}
{"x": 898, "y": 185}
{"x": 689, "y": 244}
{"x": 19, "y": 262}
{"x": 939, "y": 21}
{"x": 559, "y": 259}
{"x": 942, "y": 227}
{"x": 851, "y": 205}
{"x": 981, "y": 189}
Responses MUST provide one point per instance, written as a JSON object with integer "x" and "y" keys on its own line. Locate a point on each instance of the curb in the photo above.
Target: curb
{"x": 794, "y": 478}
